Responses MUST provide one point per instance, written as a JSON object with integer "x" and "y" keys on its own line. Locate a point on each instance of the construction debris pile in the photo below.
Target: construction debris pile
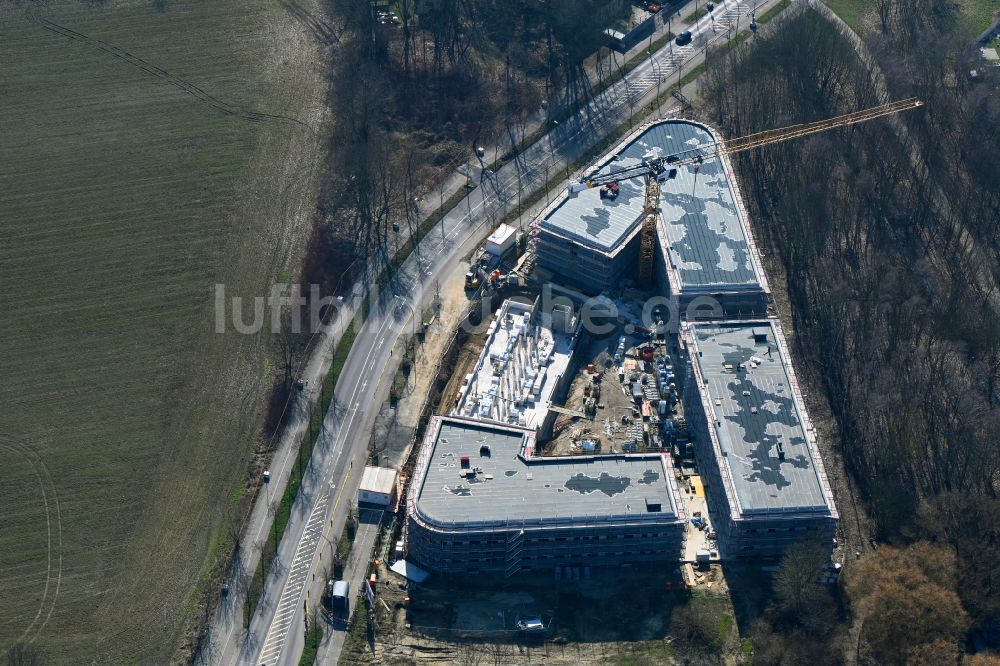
{"x": 646, "y": 373}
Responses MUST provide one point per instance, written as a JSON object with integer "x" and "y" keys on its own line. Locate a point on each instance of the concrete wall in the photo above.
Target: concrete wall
{"x": 744, "y": 536}
{"x": 505, "y": 551}
{"x": 589, "y": 270}
{"x": 379, "y": 499}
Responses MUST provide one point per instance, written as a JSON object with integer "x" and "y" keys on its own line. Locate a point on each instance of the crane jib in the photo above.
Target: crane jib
{"x": 653, "y": 169}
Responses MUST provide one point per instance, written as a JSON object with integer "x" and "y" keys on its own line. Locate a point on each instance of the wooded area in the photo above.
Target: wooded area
{"x": 888, "y": 232}
{"x": 415, "y": 96}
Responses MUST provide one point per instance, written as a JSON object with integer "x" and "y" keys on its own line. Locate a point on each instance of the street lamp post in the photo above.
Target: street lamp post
{"x": 441, "y": 208}
{"x": 323, "y": 536}
{"x": 545, "y": 185}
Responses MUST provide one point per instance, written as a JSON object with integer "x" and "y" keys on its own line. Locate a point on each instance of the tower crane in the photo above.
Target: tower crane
{"x": 658, "y": 170}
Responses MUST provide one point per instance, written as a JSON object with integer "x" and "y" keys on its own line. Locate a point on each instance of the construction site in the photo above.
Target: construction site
{"x": 672, "y": 427}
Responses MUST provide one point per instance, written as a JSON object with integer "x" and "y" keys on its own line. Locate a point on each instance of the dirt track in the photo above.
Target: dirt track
{"x": 144, "y": 519}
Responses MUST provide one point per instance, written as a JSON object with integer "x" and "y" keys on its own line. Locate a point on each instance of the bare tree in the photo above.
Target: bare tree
{"x": 499, "y": 653}
{"x": 469, "y": 654}
{"x": 801, "y": 599}
{"x": 884, "y": 9}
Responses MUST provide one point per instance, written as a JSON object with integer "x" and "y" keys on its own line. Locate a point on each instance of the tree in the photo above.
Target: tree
{"x": 793, "y": 647}
{"x": 696, "y": 626}
{"x": 469, "y": 654}
{"x": 884, "y": 9}
{"x": 906, "y": 602}
{"x": 971, "y": 525}
{"x": 801, "y": 599}
{"x": 940, "y": 652}
{"x": 499, "y": 653}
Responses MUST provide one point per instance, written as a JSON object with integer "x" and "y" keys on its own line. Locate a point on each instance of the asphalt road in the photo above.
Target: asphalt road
{"x": 330, "y": 485}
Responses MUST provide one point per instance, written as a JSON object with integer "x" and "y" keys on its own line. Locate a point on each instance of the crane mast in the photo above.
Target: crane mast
{"x": 650, "y": 211}
{"x": 661, "y": 169}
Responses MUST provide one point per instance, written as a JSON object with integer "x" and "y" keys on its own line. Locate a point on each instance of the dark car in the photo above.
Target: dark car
{"x": 683, "y": 38}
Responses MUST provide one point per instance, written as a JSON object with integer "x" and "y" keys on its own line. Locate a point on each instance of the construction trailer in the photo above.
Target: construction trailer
{"x": 502, "y": 240}
{"x": 482, "y": 502}
{"x": 378, "y": 487}
{"x": 755, "y": 446}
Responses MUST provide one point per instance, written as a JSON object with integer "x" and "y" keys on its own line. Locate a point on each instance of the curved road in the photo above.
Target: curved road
{"x": 275, "y": 635}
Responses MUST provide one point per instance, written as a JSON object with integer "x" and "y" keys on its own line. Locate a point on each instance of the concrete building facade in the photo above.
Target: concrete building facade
{"x": 523, "y": 367}
{"x": 754, "y": 444}
{"x": 481, "y": 502}
{"x": 708, "y": 263}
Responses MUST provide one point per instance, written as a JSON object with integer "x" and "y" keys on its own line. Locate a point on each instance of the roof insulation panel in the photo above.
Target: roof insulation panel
{"x": 512, "y": 489}
{"x": 754, "y": 406}
{"x": 703, "y": 224}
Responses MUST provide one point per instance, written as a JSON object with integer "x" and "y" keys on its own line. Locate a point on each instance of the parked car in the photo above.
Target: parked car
{"x": 683, "y": 38}
{"x": 531, "y": 626}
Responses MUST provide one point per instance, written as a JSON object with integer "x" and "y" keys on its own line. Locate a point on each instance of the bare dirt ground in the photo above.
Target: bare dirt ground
{"x": 614, "y": 617}
{"x": 438, "y": 319}
{"x": 615, "y": 401}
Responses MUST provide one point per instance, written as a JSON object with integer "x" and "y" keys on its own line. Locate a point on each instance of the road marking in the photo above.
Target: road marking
{"x": 287, "y": 602}
{"x": 603, "y": 115}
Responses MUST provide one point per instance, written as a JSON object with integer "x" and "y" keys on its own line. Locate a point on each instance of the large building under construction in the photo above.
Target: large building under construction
{"x": 523, "y": 367}
{"x": 754, "y": 443}
{"x": 706, "y": 255}
{"x": 482, "y": 502}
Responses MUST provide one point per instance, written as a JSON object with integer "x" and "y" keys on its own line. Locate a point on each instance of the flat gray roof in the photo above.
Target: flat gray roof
{"x": 705, "y": 233}
{"x": 537, "y": 491}
{"x": 758, "y": 406}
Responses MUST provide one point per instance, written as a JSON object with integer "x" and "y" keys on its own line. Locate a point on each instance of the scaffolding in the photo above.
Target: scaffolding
{"x": 498, "y": 544}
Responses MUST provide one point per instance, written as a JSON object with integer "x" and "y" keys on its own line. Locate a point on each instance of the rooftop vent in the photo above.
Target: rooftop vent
{"x": 653, "y": 505}
{"x": 759, "y": 337}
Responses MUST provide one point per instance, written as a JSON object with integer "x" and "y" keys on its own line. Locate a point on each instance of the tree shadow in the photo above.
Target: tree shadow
{"x": 749, "y": 588}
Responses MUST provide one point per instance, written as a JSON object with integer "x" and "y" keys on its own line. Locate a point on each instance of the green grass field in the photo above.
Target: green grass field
{"x": 133, "y": 177}
{"x": 976, "y": 15}
{"x": 849, "y": 10}
{"x": 980, "y": 15}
